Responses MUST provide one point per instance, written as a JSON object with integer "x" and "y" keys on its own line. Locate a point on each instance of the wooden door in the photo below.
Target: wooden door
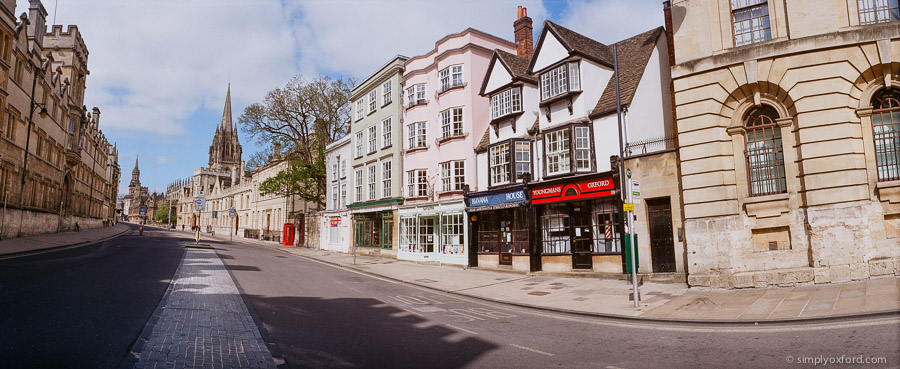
{"x": 582, "y": 237}
{"x": 662, "y": 244}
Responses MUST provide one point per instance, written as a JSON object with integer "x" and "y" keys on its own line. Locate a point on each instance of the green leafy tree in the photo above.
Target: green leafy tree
{"x": 303, "y": 117}
{"x": 162, "y": 214}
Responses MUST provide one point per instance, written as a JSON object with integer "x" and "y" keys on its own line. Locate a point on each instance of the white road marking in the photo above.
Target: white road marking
{"x": 413, "y": 312}
{"x": 532, "y": 350}
{"x": 461, "y": 329}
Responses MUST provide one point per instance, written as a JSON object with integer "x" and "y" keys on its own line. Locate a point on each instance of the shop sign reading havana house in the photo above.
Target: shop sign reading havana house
{"x": 586, "y": 189}
{"x": 500, "y": 200}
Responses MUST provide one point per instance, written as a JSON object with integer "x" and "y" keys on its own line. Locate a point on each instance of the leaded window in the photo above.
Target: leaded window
{"x": 750, "y": 19}
{"x": 886, "y": 129}
{"x": 560, "y": 80}
{"x": 765, "y": 159}
{"x": 878, "y": 11}
{"x": 506, "y": 102}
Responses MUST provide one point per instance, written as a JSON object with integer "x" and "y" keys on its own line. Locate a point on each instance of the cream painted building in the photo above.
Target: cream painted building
{"x": 787, "y": 139}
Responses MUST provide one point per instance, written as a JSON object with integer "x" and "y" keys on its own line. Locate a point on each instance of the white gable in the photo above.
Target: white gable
{"x": 499, "y": 76}
{"x": 551, "y": 51}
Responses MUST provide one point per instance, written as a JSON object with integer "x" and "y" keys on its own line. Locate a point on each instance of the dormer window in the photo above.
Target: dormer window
{"x": 506, "y": 102}
{"x": 560, "y": 80}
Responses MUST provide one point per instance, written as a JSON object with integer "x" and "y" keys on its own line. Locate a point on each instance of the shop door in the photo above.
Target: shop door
{"x": 582, "y": 237}
{"x": 426, "y": 234}
{"x": 506, "y": 242}
{"x": 662, "y": 246}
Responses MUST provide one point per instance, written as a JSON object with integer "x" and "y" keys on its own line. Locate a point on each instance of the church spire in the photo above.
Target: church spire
{"x": 136, "y": 170}
{"x": 226, "y": 114}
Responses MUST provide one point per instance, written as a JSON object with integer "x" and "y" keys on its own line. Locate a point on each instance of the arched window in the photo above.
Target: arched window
{"x": 886, "y": 130}
{"x": 765, "y": 158}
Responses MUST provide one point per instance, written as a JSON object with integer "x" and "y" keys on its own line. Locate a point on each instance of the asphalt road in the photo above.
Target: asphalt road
{"x": 323, "y": 316}
{"x": 82, "y": 307}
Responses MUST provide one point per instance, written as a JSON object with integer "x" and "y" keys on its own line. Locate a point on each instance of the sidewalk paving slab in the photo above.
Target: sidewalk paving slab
{"x": 26, "y": 245}
{"x": 608, "y": 297}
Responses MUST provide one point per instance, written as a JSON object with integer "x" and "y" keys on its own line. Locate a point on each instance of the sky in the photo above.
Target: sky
{"x": 159, "y": 69}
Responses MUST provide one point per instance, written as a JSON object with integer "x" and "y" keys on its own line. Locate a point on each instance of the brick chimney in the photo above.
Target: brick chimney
{"x": 524, "y": 33}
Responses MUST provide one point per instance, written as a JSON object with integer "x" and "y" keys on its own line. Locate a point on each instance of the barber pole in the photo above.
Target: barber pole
{"x": 608, "y": 230}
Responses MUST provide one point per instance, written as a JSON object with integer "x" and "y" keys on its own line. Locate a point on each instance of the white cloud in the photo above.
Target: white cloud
{"x": 609, "y": 21}
{"x": 154, "y": 63}
{"x": 160, "y": 159}
{"x": 357, "y": 37}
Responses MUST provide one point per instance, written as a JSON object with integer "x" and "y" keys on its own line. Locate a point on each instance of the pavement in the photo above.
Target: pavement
{"x": 586, "y": 296}
{"x": 27, "y": 245}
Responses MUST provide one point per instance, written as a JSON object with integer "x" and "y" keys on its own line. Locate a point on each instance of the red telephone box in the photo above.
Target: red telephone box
{"x": 288, "y": 236}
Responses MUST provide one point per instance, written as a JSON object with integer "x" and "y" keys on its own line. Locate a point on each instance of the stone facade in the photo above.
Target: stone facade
{"x": 71, "y": 173}
{"x": 820, "y": 205}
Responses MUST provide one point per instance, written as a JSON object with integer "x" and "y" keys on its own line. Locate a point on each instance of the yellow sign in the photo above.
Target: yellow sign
{"x": 628, "y": 206}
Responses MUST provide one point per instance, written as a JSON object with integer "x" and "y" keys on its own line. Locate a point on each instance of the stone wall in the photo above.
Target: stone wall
{"x": 34, "y": 223}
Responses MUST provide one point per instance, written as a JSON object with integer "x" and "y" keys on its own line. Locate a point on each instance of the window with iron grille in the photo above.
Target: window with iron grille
{"x": 452, "y": 122}
{"x": 606, "y": 226}
{"x": 765, "y": 159}
{"x": 555, "y": 235}
{"x": 750, "y": 19}
{"x": 886, "y": 129}
{"x": 878, "y": 11}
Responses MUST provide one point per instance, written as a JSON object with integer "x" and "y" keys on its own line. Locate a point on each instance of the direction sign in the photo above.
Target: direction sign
{"x": 232, "y": 213}
{"x": 143, "y": 210}
{"x": 635, "y": 191}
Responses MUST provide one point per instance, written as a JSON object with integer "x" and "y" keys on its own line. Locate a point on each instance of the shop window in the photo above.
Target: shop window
{"x": 765, "y": 158}
{"x": 555, "y": 230}
{"x": 606, "y": 226}
{"x": 750, "y": 19}
{"x": 387, "y": 231}
{"x": 426, "y": 235}
{"x": 408, "y": 235}
{"x": 878, "y": 11}
{"x": 886, "y": 132}
{"x": 452, "y": 234}
{"x": 503, "y": 231}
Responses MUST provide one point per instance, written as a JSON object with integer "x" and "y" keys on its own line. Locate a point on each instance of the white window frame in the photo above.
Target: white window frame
{"x": 557, "y": 145}
{"x": 343, "y": 195}
{"x": 499, "y": 164}
{"x": 453, "y": 175}
{"x": 373, "y": 100}
{"x": 335, "y": 203}
{"x": 415, "y": 95}
{"x": 372, "y": 187}
{"x": 524, "y": 159}
{"x": 386, "y": 130}
{"x": 360, "y": 109}
{"x": 452, "y": 122}
{"x": 386, "y": 176}
{"x": 359, "y": 144}
{"x": 453, "y": 234}
{"x": 373, "y": 138}
{"x": 451, "y": 77}
{"x": 417, "y": 183}
{"x": 582, "y": 154}
{"x": 359, "y": 184}
{"x": 386, "y": 92}
{"x": 417, "y": 135}
{"x": 560, "y": 79}
{"x": 506, "y": 102}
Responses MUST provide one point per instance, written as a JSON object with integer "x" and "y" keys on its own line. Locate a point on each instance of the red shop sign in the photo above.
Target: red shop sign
{"x": 586, "y": 189}
{"x": 335, "y": 221}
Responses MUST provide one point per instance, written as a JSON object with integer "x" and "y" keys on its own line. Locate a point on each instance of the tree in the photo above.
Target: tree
{"x": 303, "y": 117}
{"x": 162, "y": 214}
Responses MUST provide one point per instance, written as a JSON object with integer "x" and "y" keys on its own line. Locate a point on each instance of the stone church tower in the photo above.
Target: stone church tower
{"x": 225, "y": 151}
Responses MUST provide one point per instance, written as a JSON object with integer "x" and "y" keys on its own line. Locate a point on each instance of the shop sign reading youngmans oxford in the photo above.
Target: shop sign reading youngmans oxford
{"x": 585, "y": 189}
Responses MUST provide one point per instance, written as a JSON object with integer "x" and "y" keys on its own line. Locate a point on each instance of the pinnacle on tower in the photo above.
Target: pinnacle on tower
{"x": 136, "y": 164}
{"x": 226, "y": 114}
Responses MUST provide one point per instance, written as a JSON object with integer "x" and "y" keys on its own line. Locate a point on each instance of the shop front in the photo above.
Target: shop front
{"x": 579, "y": 224}
{"x": 434, "y": 232}
{"x": 499, "y": 222}
{"x": 373, "y": 228}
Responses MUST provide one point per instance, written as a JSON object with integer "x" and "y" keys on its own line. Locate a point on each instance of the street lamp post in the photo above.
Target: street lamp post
{"x": 34, "y": 105}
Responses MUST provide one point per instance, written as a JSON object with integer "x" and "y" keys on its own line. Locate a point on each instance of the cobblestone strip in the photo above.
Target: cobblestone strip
{"x": 203, "y": 322}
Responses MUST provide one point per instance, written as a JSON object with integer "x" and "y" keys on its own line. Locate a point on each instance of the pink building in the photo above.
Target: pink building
{"x": 443, "y": 118}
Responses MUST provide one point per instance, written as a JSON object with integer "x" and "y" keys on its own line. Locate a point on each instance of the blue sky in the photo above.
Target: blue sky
{"x": 160, "y": 69}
